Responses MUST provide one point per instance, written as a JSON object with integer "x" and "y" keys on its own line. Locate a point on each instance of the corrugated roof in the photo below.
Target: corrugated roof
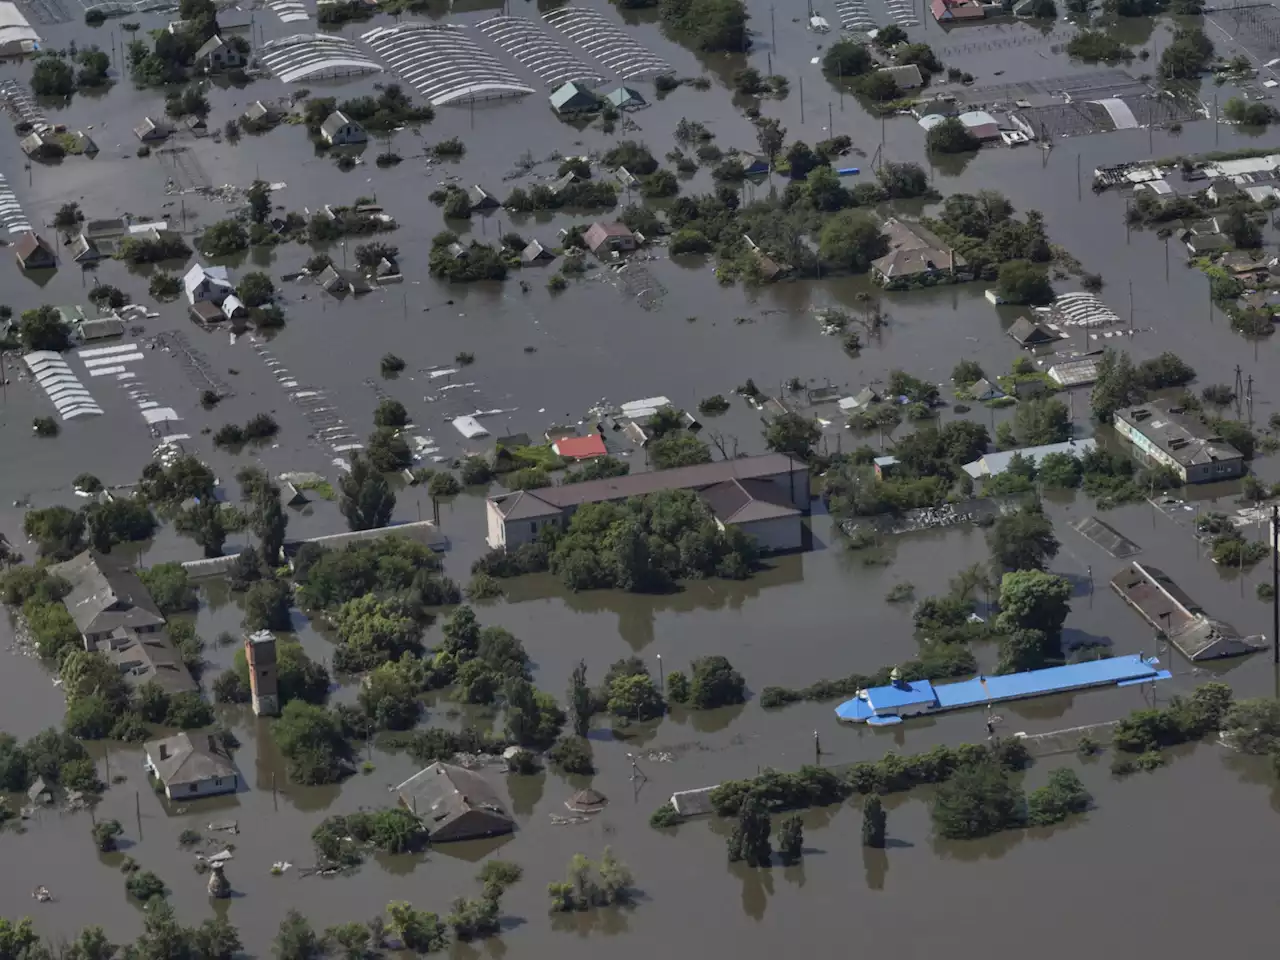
{"x": 994, "y": 464}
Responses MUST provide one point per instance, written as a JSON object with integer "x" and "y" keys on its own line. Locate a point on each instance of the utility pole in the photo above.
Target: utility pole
{"x": 1079, "y": 188}
{"x": 802, "y": 99}
{"x": 1275, "y": 585}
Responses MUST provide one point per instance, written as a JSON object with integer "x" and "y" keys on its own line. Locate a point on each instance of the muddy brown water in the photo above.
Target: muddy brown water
{"x": 821, "y": 614}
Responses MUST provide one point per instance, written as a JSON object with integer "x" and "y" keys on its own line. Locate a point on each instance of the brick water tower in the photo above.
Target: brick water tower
{"x": 264, "y": 684}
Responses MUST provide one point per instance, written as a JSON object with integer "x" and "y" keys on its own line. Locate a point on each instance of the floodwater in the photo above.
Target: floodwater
{"x": 546, "y": 360}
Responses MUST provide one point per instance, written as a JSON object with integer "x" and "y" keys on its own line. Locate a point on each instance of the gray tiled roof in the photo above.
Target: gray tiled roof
{"x": 152, "y": 658}
{"x": 189, "y": 758}
{"x": 744, "y": 501}
{"x": 106, "y": 595}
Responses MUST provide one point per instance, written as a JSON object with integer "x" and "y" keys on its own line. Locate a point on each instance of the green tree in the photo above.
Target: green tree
{"x": 224, "y": 238}
{"x": 978, "y": 800}
{"x": 1033, "y": 607}
{"x": 256, "y": 289}
{"x": 846, "y": 58}
{"x": 353, "y": 938}
{"x": 91, "y": 944}
{"x": 390, "y": 413}
{"x": 1061, "y": 797}
{"x": 1022, "y": 540}
{"x": 635, "y": 698}
{"x": 1021, "y": 281}
{"x": 419, "y": 930}
{"x": 1187, "y": 56}
{"x": 266, "y": 606}
{"x": 874, "y": 822}
{"x": 297, "y": 939}
{"x": 17, "y": 940}
{"x": 791, "y": 840}
{"x": 269, "y": 522}
{"x": 310, "y": 738}
{"x": 367, "y": 501}
{"x": 204, "y": 523}
{"x": 259, "y": 197}
{"x": 850, "y": 240}
{"x": 58, "y": 532}
{"x": 716, "y": 684}
{"x": 52, "y": 77}
{"x": 1041, "y": 420}
{"x": 951, "y": 136}
{"x": 792, "y": 434}
{"x": 749, "y": 840}
{"x": 580, "y": 700}
{"x": 43, "y": 328}
{"x": 677, "y": 450}
{"x": 105, "y": 833}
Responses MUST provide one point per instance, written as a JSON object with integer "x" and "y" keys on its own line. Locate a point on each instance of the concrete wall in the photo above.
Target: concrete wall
{"x": 795, "y": 485}
{"x": 777, "y": 534}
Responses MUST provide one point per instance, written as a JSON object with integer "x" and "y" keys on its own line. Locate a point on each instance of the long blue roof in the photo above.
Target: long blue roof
{"x": 907, "y": 694}
{"x": 1013, "y": 686}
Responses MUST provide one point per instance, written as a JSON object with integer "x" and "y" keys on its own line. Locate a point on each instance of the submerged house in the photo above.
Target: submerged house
{"x": 339, "y": 130}
{"x": 454, "y": 803}
{"x": 625, "y": 98}
{"x": 571, "y": 100}
{"x": 107, "y": 601}
{"x": 34, "y": 253}
{"x": 1168, "y": 608}
{"x": 191, "y": 765}
{"x": 917, "y": 256}
{"x": 1028, "y": 334}
{"x": 603, "y": 238}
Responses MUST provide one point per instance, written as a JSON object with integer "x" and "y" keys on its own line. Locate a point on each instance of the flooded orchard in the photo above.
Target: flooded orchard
{"x": 662, "y": 327}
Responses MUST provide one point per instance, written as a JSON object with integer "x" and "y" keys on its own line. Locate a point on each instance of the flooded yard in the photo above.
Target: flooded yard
{"x": 546, "y": 358}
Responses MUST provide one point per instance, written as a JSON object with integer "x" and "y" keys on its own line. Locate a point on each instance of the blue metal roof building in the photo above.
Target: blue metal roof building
{"x": 889, "y": 704}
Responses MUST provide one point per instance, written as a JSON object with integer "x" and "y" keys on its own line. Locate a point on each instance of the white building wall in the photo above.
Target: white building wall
{"x": 204, "y": 788}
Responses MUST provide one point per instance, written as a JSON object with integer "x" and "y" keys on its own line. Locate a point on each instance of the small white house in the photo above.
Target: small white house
{"x": 191, "y": 765}
{"x": 207, "y": 284}
{"x": 340, "y": 129}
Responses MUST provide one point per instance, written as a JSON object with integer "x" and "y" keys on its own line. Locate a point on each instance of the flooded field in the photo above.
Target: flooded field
{"x": 545, "y": 359}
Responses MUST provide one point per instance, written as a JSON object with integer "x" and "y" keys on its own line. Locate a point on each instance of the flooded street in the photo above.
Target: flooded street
{"x": 545, "y": 359}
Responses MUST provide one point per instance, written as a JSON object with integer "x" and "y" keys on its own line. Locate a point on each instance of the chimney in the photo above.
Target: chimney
{"x": 214, "y": 746}
{"x": 164, "y": 752}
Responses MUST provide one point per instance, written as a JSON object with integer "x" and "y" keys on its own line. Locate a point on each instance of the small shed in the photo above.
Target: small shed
{"x": 981, "y": 125}
{"x": 984, "y": 389}
{"x": 34, "y": 253}
{"x": 148, "y": 131}
{"x": 1028, "y": 334}
{"x": 625, "y": 98}
{"x": 481, "y": 199}
{"x": 571, "y": 99}
{"x": 535, "y": 253}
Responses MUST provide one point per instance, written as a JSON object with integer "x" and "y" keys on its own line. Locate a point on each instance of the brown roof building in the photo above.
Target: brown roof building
{"x": 750, "y": 493}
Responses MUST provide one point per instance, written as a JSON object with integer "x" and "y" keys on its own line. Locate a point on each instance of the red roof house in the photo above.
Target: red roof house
{"x": 580, "y": 448}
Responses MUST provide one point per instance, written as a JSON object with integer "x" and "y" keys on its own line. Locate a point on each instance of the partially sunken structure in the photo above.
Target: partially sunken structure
{"x": 1168, "y": 608}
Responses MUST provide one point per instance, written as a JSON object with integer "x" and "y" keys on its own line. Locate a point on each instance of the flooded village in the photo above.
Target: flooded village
{"x": 524, "y": 477}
